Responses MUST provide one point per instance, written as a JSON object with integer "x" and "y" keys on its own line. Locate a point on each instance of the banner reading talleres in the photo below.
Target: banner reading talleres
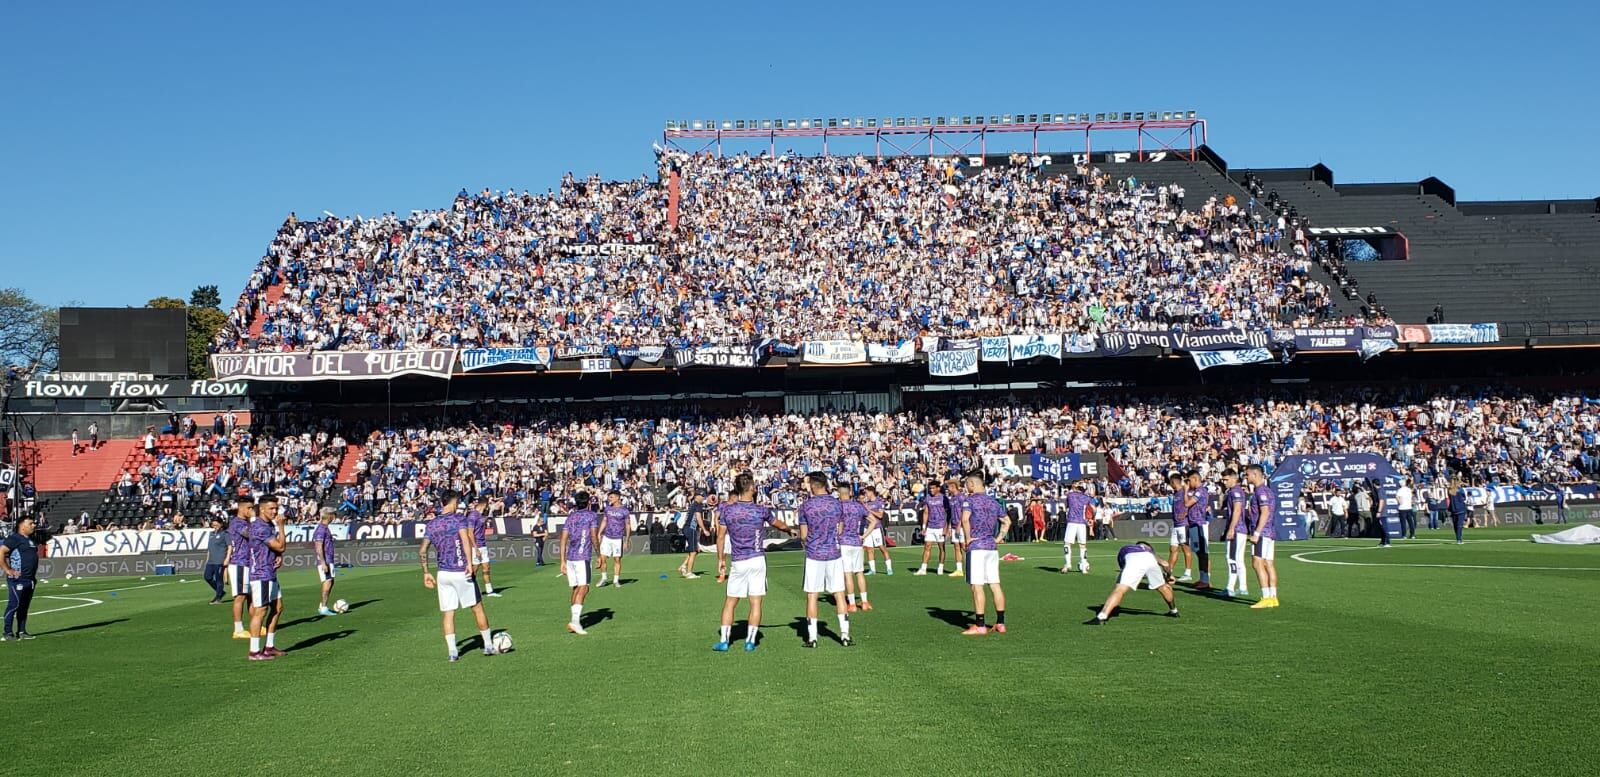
{"x": 334, "y": 365}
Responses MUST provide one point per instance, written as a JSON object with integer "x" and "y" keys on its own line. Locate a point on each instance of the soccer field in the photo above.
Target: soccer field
{"x": 1427, "y": 658}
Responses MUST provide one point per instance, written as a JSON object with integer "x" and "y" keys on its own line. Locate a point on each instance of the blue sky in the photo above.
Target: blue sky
{"x": 149, "y": 148}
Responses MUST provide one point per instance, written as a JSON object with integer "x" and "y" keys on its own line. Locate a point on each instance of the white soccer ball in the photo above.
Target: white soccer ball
{"x": 69, "y": 575}
{"x": 341, "y": 606}
{"x": 502, "y": 641}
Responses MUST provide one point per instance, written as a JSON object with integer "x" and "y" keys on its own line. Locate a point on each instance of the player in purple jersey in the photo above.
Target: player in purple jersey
{"x": 447, "y": 534}
{"x": 872, "y": 541}
{"x": 1197, "y": 507}
{"x": 984, "y": 521}
{"x": 1264, "y": 535}
{"x": 613, "y": 536}
{"x": 478, "y": 526}
{"x": 1234, "y": 503}
{"x": 322, "y": 547}
{"x": 266, "y": 599}
{"x": 741, "y": 529}
{"x": 1179, "y": 536}
{"x": 858, "y": 522}
{"x": 821, "y": 517}
{"x": 239, "y": 561}
{"x": 1139, "y": 565}
{"x": 579, "y": 536}
{"x": 935, "y": 519}
{"x": 958, "y": 537}
{"x": 1078, "y": 503}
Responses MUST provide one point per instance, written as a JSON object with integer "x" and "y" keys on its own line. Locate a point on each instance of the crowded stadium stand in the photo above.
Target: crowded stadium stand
{"x": 892, "y": 319}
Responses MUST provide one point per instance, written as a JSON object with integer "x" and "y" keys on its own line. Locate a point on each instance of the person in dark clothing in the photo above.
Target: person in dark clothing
{"x": 1458, "y": 508}
{"x": 216, "y": 558}
{"x": 539, "y": 534}
{"x": 19, "y": 560}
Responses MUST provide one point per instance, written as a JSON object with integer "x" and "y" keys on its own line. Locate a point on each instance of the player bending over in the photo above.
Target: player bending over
{"x": 984, "y": 520}
{"x": 821, "y": 518}
{"x": 451, "y": 541}
{"x": 579, "y": 536}
{"x": 1139, "y": 564}
{"x": 935, "y": 526}
{"x": 744, "y": 525}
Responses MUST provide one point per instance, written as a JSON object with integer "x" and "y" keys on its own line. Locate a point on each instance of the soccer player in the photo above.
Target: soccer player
{"x": 267, "y": 542}
{"x": 1078, "y": 503}
{"x": 958, "y": 535}
{"x": 613, "y": 531}
{"x": 1179, "y": 537}
{"x": 983, "y": 520}
{"x": 855, "y": 517}
{"x": 322, "y": 541}
{"x": 820, "y": 520}
{"x": 1263, "y": 535}
{"x": 1197, "y": 501}
{"x": 447, "y": 534}
{"x": 477, "y": 525}
{"x": 1139, "y": 564}
{"x": 19, "y": 561}
{"x": 1234, "y": 504}
{"x": 935, "y": 526}
{"x": 743, "y": 525}
{"x": 238, "y": 570}
{"x": 579, "y": 536}
{"x": 873, "y": 541}
{"x": 692, "y": 524}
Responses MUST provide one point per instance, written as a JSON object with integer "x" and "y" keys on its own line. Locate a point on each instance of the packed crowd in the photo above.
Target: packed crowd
{"x": 784, "y": 247}
{"x": 526, "y": 460}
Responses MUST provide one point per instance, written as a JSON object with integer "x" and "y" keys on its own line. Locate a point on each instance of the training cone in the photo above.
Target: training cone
{"x": 663, "y": 576}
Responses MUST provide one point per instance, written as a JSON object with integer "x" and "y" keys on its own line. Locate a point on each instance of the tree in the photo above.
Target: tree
{"x": 166, "y": 303}
{"x": 205, "y": 297}
{"x": 28, "y": 332}
{"x": 204, "y": 323}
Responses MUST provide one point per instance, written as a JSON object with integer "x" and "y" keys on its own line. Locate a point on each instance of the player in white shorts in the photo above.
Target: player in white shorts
{"x": 1179, "y": 540}
{"x": 821, "y": 517}
{"x": 238, "y": 569}
{"x": 742, "y": 529}
{"x": 985, "y": 522}
{"x": 613, "y": 535}
{"x": 448, "y": 535}
{"x": 958, "y": 536}
{"x": 872, "y": 543}
{"x": 1234, "y": 503}
{"x": 858, "y": 521}
{"x": 579, "y": 535}
{"x": 935, "y": 520}
{"x": 1263, "y": 535}
{"x": 1139, "y": 565}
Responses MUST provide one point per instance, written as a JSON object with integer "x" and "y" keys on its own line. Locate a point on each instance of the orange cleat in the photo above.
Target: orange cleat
{"x": 1000, "y": 627}
{"x": 866, "y": 605}
{"x": 850, "y": 608}
{"x": 975, "y": 631}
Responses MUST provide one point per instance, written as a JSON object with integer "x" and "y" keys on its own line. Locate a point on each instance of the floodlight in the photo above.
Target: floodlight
{"x": 1139, "y": 116}
{"x": 1191, "y": 114}
{"x": 727, "y": 124}
{"x": 1060, "y": 118}
{"x": 833, "y": 123}
{"x": 872, "y": 122}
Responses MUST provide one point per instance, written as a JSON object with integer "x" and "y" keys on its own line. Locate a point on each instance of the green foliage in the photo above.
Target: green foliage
{"x": 166, "y": 303}
{"x": 205, "y": 297}
{"x": 28, "y": 332}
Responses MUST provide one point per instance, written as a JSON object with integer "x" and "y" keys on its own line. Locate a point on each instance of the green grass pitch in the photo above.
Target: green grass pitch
{"x": 1484, "y": 663}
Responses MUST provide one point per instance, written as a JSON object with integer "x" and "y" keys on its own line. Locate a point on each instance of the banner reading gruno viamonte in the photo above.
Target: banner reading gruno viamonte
{"x": 334, "y": 365}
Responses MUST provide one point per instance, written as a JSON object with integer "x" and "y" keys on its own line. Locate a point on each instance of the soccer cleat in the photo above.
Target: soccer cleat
{"x": 272, "y": 651}
{"x": 489, "y": 651}
{"x": 324, "y": 611}
{"x": 720, "y": 647}
{"x": 1000, "y": 628}
{"x": 241, "y": 634}
{"x": 872, "y": 571}
{"x": 495, "y": 594}
{"x": 25, "y": 635}
{"x": 602, "y": 583}
{"x": 1186, "y": 578}
{"x": 454, "y": 658}
{"x": 1084, "y": 569}
{"x": 920, "y": 572}
{"x": 1065, "y": 570}
{"x": 1095, "y": 621}
{"x": 889, "y": 571}
{"x": 749, "y": 647}
{"x": 810, "y": 643}
{"x": 846, "y": 642}
{"x": 722, "y": 578}
{"x": 260, "y": 656}
{"x": 866, "y": 605}
{"x": 957, "y": 573}
{"x": 577, "y": 629}
{"x": 975, "y": 631}
{"x": 1274, "y": 601}
{"x": 850, "y": 608}
{"x": 1264, "y": 604}
{"x": 1172, "y": 613}
{"x": 1202, "y": 586}
{"x": 690, "y": 576}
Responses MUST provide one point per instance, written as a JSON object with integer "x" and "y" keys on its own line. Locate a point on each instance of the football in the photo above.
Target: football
{"x": 341, "y": 606}
{"x": 502, "y": 641}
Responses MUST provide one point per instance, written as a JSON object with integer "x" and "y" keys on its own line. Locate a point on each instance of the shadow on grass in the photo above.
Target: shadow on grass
{"x": 823, "y": 630}
{"x": 81, "y": 627}
{"x": 593, "y": 618}
{"x": 310, "y": 642}
{"x": 957, "y": 618}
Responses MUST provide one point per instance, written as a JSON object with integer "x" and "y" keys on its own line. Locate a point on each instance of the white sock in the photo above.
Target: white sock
{"x": 811, "y": 629}
{"x": 488, "y": 644}
{"x": 271, "y": 637}
{"x": 255, "y": 644}
{"x": 577, "y": 611}
{"x": 873, "y": 565}
{"x": 888, "y": 564}
{"x": 844, "y": 626}
{"x": 750, "y": 638}
{"x": 602, "y": 578}
{"x": 1101, "y": 615}
{"x": 941, "y": 569}
{"x": 489, "y": 587}
{"x": 726, "y": 631}
{"x": 851, "y": 598}
{"x": 1187, "y": 572}
{"x": 863, "y": 597}
{"x": 922, "y": 568}
{"x": 958, "y": 566}
{"x": 450, "y": 643}
{"x": 238, "y": 625}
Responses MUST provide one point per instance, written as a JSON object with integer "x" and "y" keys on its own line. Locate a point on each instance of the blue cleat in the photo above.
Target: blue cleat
{"x": 720, "y": 647}
{"x": 749, "y": 647}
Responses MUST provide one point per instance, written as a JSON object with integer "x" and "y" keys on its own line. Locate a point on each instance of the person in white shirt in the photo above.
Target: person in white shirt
{"x": 1405, "y": 505}
{"x": 1338, "y": 510}
{"x": 1363, "y": 505}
